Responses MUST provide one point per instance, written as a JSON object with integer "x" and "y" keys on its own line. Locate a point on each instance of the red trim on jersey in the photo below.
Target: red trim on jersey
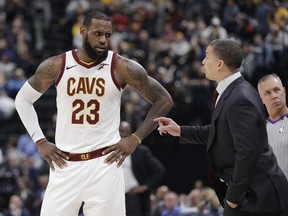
{"x": 113, "y": 71}
{"x": 82, "y": 63}
{"x": 62, "y": 68}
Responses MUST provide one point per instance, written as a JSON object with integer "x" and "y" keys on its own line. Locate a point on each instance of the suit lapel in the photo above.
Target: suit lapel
{"x": 219, "y": 107}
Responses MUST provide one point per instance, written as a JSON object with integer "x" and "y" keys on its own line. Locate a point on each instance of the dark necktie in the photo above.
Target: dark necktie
{"x": 214, "y": 99}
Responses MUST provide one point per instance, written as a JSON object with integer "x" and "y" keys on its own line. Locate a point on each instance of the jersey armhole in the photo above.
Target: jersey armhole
{"x": 113, "y": 71}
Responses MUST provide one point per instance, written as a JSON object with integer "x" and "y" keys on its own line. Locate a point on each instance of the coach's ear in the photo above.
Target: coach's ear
{"x": 83, "y": 31}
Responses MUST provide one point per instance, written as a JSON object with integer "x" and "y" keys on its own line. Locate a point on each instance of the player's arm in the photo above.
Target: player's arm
{"x": 131, "y": 73}
{"x": 44, "y": 77}
{"x": 135, "y": 75}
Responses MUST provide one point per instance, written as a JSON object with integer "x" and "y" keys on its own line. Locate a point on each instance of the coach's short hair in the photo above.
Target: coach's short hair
{"x": 229, "y": 51}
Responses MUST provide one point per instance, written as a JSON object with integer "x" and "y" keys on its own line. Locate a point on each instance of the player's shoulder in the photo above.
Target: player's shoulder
{"x": 123, "y": 59}
{"x": 51, "y": 66}
{"x": 53, "y": 60}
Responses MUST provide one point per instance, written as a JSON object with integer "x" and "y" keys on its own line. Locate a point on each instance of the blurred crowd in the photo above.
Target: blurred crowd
{"x": 199, "y": 201}
{"x": 167, "y": 37}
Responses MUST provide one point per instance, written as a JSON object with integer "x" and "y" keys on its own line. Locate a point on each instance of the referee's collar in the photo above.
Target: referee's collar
{"x": 281, "y": 118}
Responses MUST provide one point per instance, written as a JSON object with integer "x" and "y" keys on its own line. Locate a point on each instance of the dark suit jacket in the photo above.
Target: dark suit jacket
{"x": 148, "y": 170}
{"x": 238, "y": 151}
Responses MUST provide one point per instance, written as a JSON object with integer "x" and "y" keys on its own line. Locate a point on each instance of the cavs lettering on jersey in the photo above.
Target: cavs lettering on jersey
{"x": 88, "y": 104}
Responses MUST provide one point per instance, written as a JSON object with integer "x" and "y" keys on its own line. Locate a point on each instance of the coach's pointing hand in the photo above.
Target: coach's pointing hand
{"x": 167, "y": 125}
{"x": 50, "y": 153}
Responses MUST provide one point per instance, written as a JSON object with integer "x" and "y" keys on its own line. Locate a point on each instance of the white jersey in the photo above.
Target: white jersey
{"x": 88, "y": 104}
{"x": 278, "y": 139}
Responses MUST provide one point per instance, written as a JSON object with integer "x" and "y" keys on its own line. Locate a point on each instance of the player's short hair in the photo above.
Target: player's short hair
{"x": 95, "y": 15}
{"x": 229, "y": 51}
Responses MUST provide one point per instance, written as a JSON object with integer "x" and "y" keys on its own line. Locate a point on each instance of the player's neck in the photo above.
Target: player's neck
{"x": 84, "y": 58}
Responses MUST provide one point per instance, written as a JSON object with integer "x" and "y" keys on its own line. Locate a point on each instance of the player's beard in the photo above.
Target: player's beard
{"x": 99, "y": 57}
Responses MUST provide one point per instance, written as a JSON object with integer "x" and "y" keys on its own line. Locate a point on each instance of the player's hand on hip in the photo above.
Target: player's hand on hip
{"x": 52, "y": 154}
{"x": 120, "y": 150}
{"x": 167, "y": 125}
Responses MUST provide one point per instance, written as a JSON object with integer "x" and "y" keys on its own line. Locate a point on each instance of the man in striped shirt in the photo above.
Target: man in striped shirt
{"x": 273, "y": 96}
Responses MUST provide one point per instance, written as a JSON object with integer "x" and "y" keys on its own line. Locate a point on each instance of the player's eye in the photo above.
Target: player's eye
{"x": 98, "y": 34}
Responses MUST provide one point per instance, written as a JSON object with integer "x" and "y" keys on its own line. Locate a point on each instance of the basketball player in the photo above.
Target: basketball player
{"x": 89, "y": 82}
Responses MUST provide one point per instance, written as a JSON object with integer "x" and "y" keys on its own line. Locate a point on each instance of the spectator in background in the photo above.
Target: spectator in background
{"x": 142, "y": 174}
{"x": 171, "y": 205}
{"x": 264, "y": 14}
{"x": 6, "y": 64}
{"x": 278, "y": 38}
{"x": 19, "y": 33}
{"x": 7, "y": 106}
{"x": 134, "y": 107}
{"x": 16, "y": 82}
{"x": 27, "y": 147}
{"x": 6, "y": 50}
{"x": 43, "y": 179}
{"x": 75, "y": 8}
{"x": 230, "y": 16}
{"x": 168, "y": 70}
{"x": 248, "y": 64}
{"x": 9, "y": 172}
{"x": 263, "y": 51}
{"x": 16, "y": 207}
{"x": 209, "y": 203}
{"x": 263, "y": 57}
{"x": 43, "y": 11}
{"x": 179, "y": 48}
{"x": 157, "y": 199}
{"x": 280, "y": 14}
{"x": 75, "y": 31}
{"x": 192, "y": 201}
{"x": 26, "y": 193}
{"x": 215, "y": 30}
{"x": 273, "y": 96}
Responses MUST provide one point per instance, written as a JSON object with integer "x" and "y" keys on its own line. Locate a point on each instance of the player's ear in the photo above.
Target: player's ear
{"x": 83, "y": 31}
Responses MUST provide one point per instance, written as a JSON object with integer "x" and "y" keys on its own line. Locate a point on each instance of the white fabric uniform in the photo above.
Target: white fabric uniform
{"x": 88, "y": 107}
{"x": 278, "y": 139}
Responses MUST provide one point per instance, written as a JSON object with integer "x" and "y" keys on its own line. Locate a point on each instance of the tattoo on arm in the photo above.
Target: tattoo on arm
{"x": 46, "y": 74}
{"x": 148, "y": 87}
{"x": 138, "y": 73}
